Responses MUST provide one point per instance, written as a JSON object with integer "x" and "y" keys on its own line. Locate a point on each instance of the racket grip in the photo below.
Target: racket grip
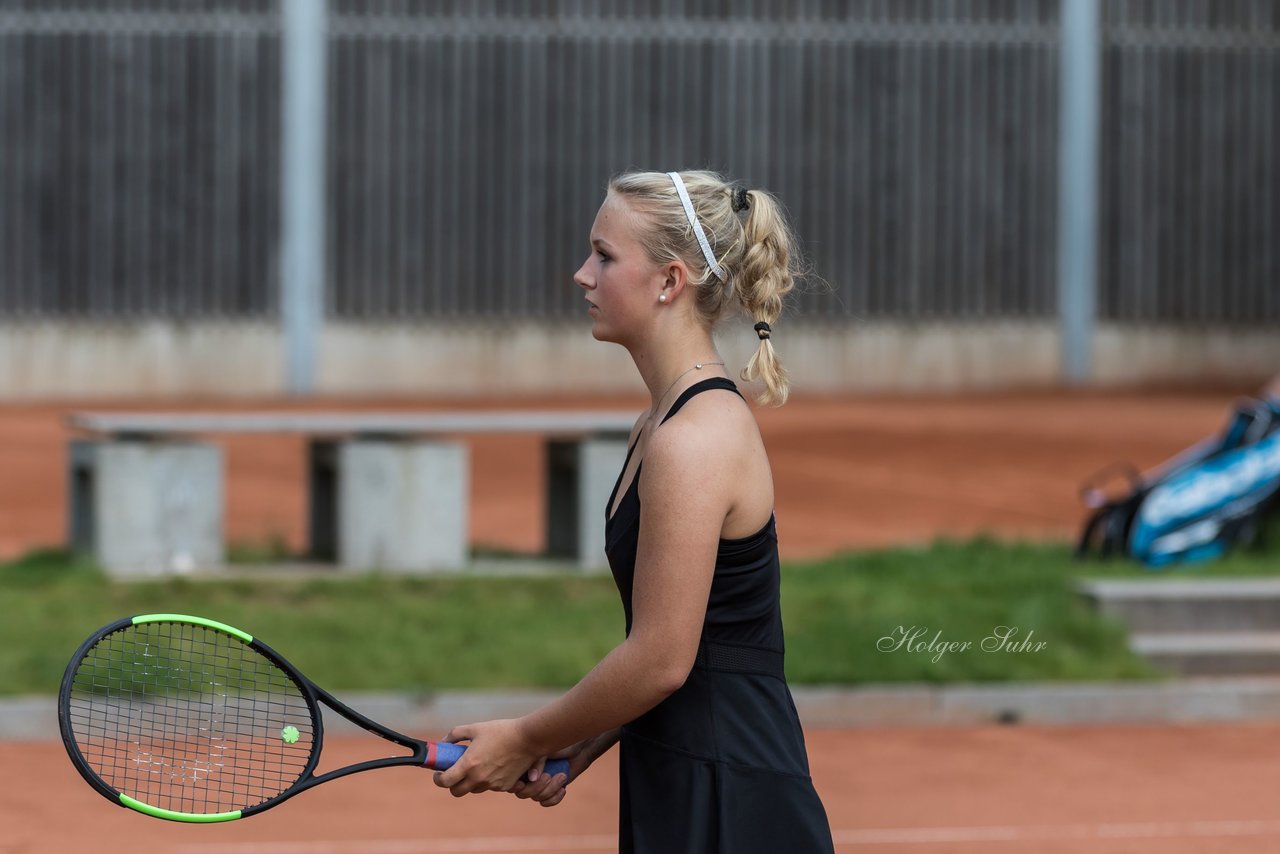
{"x": 441, "y": 755}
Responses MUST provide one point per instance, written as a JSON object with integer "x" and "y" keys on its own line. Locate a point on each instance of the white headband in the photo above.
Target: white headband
{"x": 697, "y": 227}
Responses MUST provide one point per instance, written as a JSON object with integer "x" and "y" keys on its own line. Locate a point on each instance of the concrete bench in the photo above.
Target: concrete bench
{"x": 386, "y": 490}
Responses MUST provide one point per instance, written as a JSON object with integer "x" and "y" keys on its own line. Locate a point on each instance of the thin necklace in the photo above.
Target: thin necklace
{"x": 653, "y": 413}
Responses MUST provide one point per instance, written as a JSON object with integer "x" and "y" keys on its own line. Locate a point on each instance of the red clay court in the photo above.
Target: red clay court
{"x": 955, "y": 790}
{"x": 849, "y": 473}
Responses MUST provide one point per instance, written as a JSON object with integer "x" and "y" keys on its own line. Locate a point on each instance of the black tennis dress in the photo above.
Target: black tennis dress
{"x": 720, "y": 765}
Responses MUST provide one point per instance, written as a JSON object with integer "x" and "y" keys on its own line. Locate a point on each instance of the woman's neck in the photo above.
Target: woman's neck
{"x": 667, "y": 365}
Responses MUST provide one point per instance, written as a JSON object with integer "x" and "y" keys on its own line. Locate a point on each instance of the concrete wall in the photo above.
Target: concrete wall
{"x": 1128, "y": 354}
{"x": 46, "y": 360}
{"x": 154, "y": 358}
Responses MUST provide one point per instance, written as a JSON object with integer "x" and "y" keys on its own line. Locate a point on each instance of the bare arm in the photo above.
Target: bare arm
{"x": 675, "y": 562}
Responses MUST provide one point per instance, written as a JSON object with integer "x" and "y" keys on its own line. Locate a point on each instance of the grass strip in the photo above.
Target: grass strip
{"x": 844, "y": 619}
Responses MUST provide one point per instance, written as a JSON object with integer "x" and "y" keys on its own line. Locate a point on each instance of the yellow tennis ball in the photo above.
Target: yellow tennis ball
{"x": 289, "y": 734}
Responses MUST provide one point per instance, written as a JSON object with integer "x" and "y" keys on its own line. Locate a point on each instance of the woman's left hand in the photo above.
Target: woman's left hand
{"x": 496, "y": 759}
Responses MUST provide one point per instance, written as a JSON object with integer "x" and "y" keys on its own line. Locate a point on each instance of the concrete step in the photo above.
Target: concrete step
{"x": 1210, "y": 653}
{"x": 1200, "y": 605}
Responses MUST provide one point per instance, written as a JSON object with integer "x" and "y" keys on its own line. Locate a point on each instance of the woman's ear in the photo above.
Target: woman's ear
{"x": 674, "y": 277}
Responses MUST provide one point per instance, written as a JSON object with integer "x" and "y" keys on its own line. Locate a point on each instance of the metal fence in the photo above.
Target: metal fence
{"x": 915, "y": 151}
{"x": 139, "y": 149}
{"x": 1190, "y": 211}
{"x": 468, "y": 143}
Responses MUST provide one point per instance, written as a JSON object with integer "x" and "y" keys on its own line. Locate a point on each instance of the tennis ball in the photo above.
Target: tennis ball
{"x": 289, "y": 734}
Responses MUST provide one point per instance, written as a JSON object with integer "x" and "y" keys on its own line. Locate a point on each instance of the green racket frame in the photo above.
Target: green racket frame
{"x": 423, "y": 751}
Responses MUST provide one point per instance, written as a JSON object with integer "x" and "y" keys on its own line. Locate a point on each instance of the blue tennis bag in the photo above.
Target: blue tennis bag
{"x": 1212, "y": 497}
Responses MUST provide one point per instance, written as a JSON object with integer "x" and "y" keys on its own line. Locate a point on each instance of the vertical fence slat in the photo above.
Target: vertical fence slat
{"x": 914, "y": 146}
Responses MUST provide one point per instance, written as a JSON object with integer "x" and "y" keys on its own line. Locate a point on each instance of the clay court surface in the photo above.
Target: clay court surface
{"x": 849, "y": 473}
{"x": 856, "y": 471}
{"x": 983, "y": 790}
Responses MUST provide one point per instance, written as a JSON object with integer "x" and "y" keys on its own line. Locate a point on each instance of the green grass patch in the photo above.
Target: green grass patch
{"x": 844, "y": 618}
{"x": 884, "y": 616}
{"x": 264, "y": 550}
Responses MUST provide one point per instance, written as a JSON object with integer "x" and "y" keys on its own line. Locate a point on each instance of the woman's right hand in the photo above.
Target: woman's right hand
{"x": 550, "y": 789}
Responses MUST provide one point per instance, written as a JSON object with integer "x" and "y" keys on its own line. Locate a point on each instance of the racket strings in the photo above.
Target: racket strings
{"x": 189, "y": 719}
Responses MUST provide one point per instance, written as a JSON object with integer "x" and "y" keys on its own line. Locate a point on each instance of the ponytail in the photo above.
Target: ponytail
{"x": 763, "y": 277}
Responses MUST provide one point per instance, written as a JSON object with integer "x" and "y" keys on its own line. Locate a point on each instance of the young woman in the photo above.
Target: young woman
{"x": 712, "y": 754}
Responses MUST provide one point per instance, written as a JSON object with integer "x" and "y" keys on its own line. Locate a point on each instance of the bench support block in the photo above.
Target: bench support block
{"x": 394, "y": 505}
{"x": 580, "y": 476}
{"x": 147, "y": 508}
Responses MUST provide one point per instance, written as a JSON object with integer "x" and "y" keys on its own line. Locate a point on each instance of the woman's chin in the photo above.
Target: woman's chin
{"x": 601, "y": 330}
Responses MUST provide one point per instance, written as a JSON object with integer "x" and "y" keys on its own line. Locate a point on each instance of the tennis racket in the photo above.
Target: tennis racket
{"x": 188, "y": 719}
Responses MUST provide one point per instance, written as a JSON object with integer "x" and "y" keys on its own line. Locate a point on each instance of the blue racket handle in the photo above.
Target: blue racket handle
{"x": 441, "y": 755}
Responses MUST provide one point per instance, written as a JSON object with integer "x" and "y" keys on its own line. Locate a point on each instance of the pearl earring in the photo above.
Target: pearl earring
{"x": 662, "y": 297}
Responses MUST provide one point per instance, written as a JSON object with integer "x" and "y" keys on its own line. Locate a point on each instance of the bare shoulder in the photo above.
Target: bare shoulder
{"x": 712, "y": 450}
{"x": 712, "y": 433}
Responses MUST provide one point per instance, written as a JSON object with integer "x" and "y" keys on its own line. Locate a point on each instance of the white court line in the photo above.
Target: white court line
{"x": 1041, "y": 833}
{"x": 843, "y": 838}
{"x": 414, "y": 846}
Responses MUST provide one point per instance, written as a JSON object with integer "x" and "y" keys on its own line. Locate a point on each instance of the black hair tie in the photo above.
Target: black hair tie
{"x": 740, "y": 201}
{"x": 762, "y": 330}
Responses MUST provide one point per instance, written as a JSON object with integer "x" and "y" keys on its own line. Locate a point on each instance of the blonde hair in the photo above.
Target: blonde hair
{"x": 755, "y": 249}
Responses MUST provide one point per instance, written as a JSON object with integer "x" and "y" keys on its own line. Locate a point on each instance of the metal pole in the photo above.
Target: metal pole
{"x": 1078, "y": 186}
{"x": 302, "y": 59}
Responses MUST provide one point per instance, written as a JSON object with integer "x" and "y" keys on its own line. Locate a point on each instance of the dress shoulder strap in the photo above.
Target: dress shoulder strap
{"x": 698, "y": 388}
